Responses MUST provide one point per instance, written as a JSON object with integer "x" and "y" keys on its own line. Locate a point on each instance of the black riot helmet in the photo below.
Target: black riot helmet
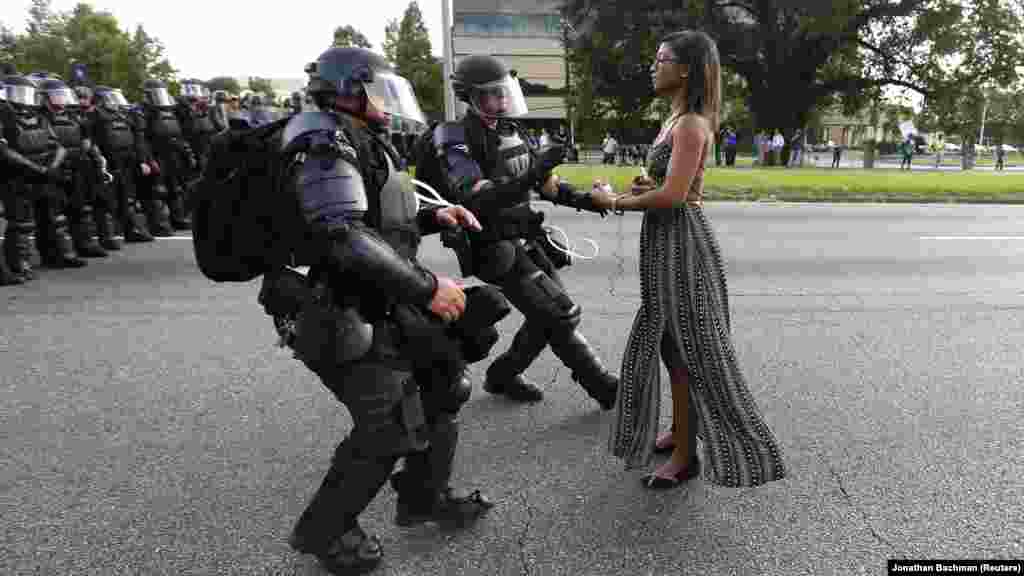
{"x": 489, "y": 87}
{"x": 154, "y": 93}
{"x": 359, "y": 72}
{"x": 21, "y": 92}
{"x": 55, "y": 94}
{"x": 84, "y": 95}
{"x": 194, "y": 90}
{"x": 110, "y": 98}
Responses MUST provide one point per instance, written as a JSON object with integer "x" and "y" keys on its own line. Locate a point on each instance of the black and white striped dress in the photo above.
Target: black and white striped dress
{"x": 684, "y": 299}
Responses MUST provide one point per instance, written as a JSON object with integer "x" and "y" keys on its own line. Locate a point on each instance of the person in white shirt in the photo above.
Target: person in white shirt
{"x": 610, "y": 146}
{"x": 777, "y": 143}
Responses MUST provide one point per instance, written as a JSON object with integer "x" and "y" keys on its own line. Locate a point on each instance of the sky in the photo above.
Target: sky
{"x": 214, "y": 38}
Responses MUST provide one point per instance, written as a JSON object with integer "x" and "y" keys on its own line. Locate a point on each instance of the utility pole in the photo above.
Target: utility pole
{"x": 449, "y": 95}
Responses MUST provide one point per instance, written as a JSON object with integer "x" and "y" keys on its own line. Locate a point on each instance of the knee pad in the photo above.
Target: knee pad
{"x": 545, "y": 302}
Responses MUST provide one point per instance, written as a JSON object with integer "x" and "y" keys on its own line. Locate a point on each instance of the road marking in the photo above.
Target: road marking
{"x": 971, "y": 237}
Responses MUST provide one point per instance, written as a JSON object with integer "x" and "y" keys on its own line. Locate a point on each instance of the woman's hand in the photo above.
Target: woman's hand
{"x": 642, "y": 185}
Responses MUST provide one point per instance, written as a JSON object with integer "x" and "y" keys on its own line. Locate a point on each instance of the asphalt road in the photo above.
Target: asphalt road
{"x": 150, "y": 426}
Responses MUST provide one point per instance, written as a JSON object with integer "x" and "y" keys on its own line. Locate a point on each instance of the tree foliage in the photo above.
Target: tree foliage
{"x": 261, "y": 85}
{"x": 52, "y": 41}
{"x": 407, "y": 47}
{"x": 346, "y": 36}
{"x": 796, "y": 56}
{"x": 225, "y": 83}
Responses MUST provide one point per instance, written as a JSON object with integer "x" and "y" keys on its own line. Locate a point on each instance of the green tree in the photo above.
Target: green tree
{"x": 345, "y": 36}
{"x": 261, "y": 85}
{"x": 225, "y": 83}
{"x": 407, "y": 47}
{"x": 797, "y": 56}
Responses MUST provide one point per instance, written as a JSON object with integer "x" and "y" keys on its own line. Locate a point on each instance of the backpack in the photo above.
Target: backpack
{"x": 428, "y": 165}
{"x": 238, "y": 212}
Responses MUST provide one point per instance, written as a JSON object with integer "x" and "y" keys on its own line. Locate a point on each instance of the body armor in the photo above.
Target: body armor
{"x": 114, "y": 133}
{"x": 163, "y": 126}
{"x": 29, "y": 134}
{"x": 514, "y": 155}
{"x": 69, "y": 133}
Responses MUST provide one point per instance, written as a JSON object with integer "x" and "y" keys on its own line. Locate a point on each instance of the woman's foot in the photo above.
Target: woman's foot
{"x": 672, "y": 474}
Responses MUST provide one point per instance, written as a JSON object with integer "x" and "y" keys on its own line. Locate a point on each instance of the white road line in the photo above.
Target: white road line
{"x": 971, "y": 237}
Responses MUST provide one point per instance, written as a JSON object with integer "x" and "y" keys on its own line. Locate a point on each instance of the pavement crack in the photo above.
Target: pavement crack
{"x": 860, "y": 511}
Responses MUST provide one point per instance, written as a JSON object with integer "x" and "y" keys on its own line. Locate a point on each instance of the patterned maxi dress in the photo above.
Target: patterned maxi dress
{"x": 684, "y": 300}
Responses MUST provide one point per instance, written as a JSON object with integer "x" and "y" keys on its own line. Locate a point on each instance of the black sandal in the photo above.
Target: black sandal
{"x": 354, "y": 552}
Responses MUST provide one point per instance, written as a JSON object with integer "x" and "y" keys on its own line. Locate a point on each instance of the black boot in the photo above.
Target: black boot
{"x": 105, "y": 231}
{"x": 56, "y": 248}
{"x": 422, "y": 486}
{"x": 83, "y": 235}
{"x": 328, "y": 528}
{"x": 135, "y": 227}
{"x": 505, "y": 374}
{"x": 19, "y": 250}
{"x": 159, "y": 219}
{"x": 7, "y": 278}
{"x": 179, "y": 216}
{"x": 576, "y": 353}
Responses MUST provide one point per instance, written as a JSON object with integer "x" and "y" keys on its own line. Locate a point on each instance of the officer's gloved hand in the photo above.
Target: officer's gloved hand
{"x": 579, "y": 200}
{"x": 548, "y": 160}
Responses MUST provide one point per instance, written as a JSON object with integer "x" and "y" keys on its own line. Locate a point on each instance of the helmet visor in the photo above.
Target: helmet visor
{"x": 114, "y": 100}
{"x": 62, "y": 97}
{"x": 160, "y": 97}
{"x": 391, "y": 94}
{"x": 499, "y": 99}
{"x": 192, "y": 91}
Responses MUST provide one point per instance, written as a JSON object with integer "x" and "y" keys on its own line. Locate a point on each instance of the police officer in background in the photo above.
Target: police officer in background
{"x": 196, "y": 120}
{"x": 218, "y": 113}
{"x": 362, "y": 227}
{"x": 122, "y": 141}
{"x": 102, "y": 195}
{"x": 173, "y": 157}
{"x": 84, "y": 162}
{"x": 10, "y": 162}
{"x": 490, "y": 168}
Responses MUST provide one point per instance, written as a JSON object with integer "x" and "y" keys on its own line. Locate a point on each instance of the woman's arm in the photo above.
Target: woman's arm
{"x": 689, "y": 138}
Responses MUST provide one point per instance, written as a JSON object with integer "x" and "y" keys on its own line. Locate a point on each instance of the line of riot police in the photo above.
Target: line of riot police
{"x": 83, "y": 168}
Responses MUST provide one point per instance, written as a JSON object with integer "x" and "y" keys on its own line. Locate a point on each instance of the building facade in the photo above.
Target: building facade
{"x": 527, "y": 36}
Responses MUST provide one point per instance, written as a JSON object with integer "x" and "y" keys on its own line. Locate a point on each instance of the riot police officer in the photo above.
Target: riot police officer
{"x": 489, "y": 167}
{"x": 9, "y": 164}
{"x": 61, "y": 108}
{"x": 36, "y": 204}
{"x": 101, "y": 193}
{"x": 123, "y": 142}
{"x": 196, "y": 120}
{"x": 360, "y": 217}
{"x": 218, "y": 114}
{"x": 173, "y": 157}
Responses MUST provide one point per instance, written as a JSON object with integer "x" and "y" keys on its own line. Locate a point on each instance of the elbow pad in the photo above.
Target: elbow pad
{"x": 364, "y": 254}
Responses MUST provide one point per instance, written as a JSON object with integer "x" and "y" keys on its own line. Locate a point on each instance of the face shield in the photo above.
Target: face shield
{"x": 160, "y": 97}
{"x": 113, "y": 100}
{"x": 60, "y": 98}
{"x": 192, "y": 91}
{"x": 499, "y": 99}
{"x": 393, "y": 95}
{"x": 23, "y": 95}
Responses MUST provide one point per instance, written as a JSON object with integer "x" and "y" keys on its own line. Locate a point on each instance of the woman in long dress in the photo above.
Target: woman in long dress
{"x": 684, "y": 314}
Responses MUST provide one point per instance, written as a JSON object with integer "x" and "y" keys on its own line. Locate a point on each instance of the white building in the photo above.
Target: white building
{"x": 526, "y": 35}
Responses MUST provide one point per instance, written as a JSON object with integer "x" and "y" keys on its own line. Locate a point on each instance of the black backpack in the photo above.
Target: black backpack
{"x": 240, "y": 215}
{"x": 428, "y": 165}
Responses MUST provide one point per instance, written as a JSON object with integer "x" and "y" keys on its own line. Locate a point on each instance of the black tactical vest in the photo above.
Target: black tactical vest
{"x": 202, "y": 125}
{"x": 68, "y": 131}
{"x": 114, "y": 132}
{"x": 28, "y": 133}
{"x": 163, "y": 125}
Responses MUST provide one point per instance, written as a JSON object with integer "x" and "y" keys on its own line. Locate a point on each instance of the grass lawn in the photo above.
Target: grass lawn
{"x": 827, "y": 185}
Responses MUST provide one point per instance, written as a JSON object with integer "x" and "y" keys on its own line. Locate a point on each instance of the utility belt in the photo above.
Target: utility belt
{"x": 510, "y": 224}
